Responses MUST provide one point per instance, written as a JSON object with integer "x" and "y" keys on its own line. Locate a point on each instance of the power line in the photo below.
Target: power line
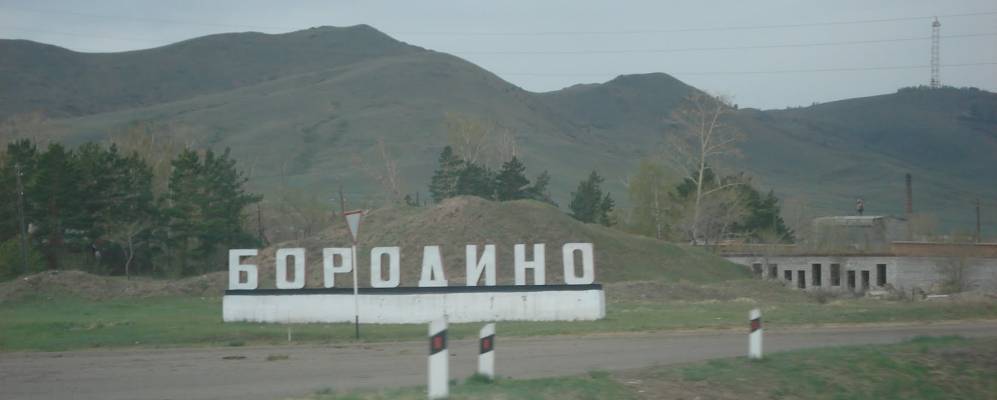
{"x": 758, "y": 72}
{"x": 586, "y": 52}
{"x": 89, "y": 35}
{"x": 512, "y": 33}
{"x": 703, "y": 49}
{"x": 697, "y": 29}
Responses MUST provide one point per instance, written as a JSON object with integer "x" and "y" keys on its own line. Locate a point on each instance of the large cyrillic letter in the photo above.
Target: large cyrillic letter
{"x": 330, "y": 267}
{"x": 299, "y": 268}
{"x": 537, "y": 265}
{"x": 475, "y": 265}
{"x": 432, "y": 267}
{"x": 376, "y": 280}
{"x": 235, "y": 268}
{"x": 588, "y": 264}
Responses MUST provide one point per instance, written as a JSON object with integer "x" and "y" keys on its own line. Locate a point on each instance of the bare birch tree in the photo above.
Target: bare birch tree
{"x": 127, "y": 235}
{"x": 468, "y": 135}
{"x": 705, "y": 136}
{"x": 386, "y": 176}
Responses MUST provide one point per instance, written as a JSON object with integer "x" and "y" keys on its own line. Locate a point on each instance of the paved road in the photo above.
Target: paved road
{"x": 244, "y": 373}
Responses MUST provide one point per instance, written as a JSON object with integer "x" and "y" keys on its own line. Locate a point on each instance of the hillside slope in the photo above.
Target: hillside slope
{"x": 306, "y": 109}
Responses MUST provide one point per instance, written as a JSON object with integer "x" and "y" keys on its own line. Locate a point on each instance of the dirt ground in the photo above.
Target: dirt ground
{"x": 95, "y": 287}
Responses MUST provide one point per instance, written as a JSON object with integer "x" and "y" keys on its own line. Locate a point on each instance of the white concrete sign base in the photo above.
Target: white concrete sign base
{"x": 418, "y": 304}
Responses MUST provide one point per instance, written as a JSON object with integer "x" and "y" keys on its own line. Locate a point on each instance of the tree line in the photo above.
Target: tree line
{"x": 455, "y": 176}
{"x": 95, "y": 208}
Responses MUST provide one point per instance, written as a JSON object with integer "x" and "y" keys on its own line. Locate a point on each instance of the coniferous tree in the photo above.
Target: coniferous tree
{"x": 539, "y": 189}
{"x": 511, "y": 182}
{"x": 605, "y": 210}
{"x": 53, "y": 203}
{"x": 476, "y": 180}
{"x": 445, "y": 179}
{"x": 20, "y": 154}
{"x": 205, "y": 213}
{"x": 588, "y": 203}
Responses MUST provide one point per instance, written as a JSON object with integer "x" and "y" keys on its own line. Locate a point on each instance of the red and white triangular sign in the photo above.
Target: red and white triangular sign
{"x": 353, "y": 221}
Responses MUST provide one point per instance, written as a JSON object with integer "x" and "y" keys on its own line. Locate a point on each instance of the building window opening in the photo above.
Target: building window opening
{"x": 835, "y": 274}
{"x": 865, "y": 280}
{"x": 851, "y": 279}
{"x": 787, "y": 275}
{"x": 756, "y": 269}
{"x": 801, "y": 279}
{"x": 815, "y": 275}
{"x": 773, "y": 271}
{"x": 880, "y": 274}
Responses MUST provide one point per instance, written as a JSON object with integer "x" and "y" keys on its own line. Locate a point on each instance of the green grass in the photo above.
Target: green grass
{"x": 595, "y": 385}
{"x": 923, "y": 368}
{"x": 64, "y": 324}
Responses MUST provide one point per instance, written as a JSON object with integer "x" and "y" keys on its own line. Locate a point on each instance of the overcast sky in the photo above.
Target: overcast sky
{"x": 548, "y": 45}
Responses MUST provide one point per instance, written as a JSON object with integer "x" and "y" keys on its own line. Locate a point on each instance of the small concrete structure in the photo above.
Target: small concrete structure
{"x": 862, "y": 254}
{"x": 861, "y": 273}
{"x": 418, "y": 304}
{"x": 902, "y": 266}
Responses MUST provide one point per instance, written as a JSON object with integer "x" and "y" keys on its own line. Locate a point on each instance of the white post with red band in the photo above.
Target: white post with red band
{"x": 755, "y": 337}
{"x": 439, "y": 360}
{"x": 486, "y": 351}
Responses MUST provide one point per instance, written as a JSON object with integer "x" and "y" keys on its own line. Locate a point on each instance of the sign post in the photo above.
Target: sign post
{"x": 353, "y": 222}
{"x": 755, "y": 336}
{"x": 486, "y": 351}
{"x": 439, "y": 360}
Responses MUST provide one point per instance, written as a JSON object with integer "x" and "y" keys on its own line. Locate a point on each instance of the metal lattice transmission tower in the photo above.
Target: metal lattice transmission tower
{"x": 935, "y": 57}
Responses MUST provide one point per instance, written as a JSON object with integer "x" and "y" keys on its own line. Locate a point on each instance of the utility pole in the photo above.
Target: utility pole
{"x": 20, "y": 217}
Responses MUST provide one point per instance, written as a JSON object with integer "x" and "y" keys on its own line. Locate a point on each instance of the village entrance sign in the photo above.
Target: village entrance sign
{"x": 386, "y": 301}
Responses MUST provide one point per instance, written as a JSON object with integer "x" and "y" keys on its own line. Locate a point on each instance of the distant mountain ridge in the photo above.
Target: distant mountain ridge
{"x": 65, "y": 83}
{"x": 302, "y": 108}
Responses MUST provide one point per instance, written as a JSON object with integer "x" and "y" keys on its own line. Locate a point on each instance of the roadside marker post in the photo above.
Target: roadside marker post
{"x": 439, "y": 360}
{"x": 353, "y": 222}
{"x": 486, "y": 351}
{"x": 755, "y": 336}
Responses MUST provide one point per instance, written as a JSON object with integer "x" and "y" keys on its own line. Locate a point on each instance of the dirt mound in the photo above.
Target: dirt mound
{"x": 94, "y": 287}
{"x": 461, "y": 221}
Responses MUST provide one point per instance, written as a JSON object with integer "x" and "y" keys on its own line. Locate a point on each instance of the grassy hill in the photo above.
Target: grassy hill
{"x": 306, "y": 108}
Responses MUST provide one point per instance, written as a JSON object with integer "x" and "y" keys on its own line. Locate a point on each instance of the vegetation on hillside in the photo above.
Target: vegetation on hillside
{"x": 301, "y": 118}
{"x": 94, "y": 208}
{"x": 663, "y": 208}
{"x": 588, "y": 204}
{"x": 455, "y": 176}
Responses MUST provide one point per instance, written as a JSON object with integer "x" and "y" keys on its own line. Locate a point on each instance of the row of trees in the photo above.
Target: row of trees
{"x": 97, "y": 209}
{"x": 666, "y": 208}
{"x": 455, "y": 176}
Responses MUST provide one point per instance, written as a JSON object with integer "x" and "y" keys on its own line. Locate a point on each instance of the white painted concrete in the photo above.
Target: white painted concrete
{"x": 388, "y": 308}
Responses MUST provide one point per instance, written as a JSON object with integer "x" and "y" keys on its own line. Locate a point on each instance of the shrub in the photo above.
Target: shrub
{"x": 11, "y": 261}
